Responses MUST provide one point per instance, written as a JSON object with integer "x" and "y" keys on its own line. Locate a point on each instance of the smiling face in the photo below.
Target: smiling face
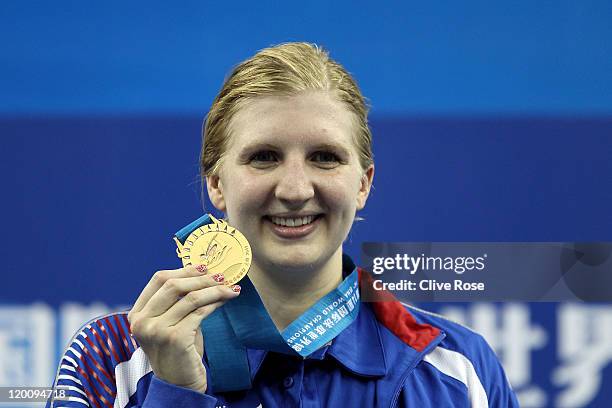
{"x": 290, "y": 179}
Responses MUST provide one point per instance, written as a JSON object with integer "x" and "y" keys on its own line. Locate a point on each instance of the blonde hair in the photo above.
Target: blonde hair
{"x": 285, "y": 69}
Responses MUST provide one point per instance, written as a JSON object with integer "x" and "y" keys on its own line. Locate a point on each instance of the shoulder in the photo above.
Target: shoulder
{"x": 102, "y": 362}
{"x": 105, "y": 338}
{"x": 464, "y": 358}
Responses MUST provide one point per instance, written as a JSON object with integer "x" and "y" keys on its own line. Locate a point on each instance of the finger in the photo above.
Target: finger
{"x": 173, "y": 290}
{"x": 196, "y": 300}
{"x": 158, "y": 280}
{"x": 192, "y": 321}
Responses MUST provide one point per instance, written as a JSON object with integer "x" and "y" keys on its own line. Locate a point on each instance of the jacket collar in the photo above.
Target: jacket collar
{"x": 358, "y": 348}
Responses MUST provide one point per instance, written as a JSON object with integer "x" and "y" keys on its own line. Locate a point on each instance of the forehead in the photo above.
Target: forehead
{"x": 309, "y": 117}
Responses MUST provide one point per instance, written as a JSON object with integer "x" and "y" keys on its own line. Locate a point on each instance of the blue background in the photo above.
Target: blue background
{"x": 491, "y": 122}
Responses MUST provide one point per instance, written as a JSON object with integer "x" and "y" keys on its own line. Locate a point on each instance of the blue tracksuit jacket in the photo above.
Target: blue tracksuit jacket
{"x": 392, "y": 355}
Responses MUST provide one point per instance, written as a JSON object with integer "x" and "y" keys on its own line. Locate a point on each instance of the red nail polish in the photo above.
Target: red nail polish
{"x": 201, "y": 268}
{"x": 218, "y": 277}
{"x": 236, "y": 288}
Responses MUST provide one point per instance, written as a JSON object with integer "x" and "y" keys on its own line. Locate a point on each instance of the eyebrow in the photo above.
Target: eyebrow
{"x": 336, "y": 147}
{"x": 250, "y": 148}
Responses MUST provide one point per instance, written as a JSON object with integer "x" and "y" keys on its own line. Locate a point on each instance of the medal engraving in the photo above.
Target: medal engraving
{"x": 219, "y": 246}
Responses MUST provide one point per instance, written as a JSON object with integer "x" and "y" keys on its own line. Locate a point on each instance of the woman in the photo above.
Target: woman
{"x": 287, "y": 157}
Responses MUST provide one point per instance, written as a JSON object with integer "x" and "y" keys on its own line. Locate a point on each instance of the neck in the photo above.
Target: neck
{"x": 287, "y": 294}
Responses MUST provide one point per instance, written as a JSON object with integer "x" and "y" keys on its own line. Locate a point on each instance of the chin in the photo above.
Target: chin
{"x": 293, "y": 259}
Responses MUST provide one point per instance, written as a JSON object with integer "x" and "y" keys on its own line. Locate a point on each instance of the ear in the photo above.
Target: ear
{"x": 215, "y": 192}
{"x": 365, "y": 186}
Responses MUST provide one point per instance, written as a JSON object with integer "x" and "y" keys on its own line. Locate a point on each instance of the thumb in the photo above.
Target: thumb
{"x": 199, "y": 342}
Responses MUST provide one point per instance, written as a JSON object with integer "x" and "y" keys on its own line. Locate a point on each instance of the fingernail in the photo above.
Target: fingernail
{"x": 201, "y": 268}
{"x": 218, "y": 277}
{"x": 236, "y": 288}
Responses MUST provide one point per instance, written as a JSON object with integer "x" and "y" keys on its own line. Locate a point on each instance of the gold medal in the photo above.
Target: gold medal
{"x": 222, "y": 248}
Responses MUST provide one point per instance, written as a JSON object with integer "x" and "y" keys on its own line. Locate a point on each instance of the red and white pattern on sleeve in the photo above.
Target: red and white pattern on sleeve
{"x": 101, "y": 366}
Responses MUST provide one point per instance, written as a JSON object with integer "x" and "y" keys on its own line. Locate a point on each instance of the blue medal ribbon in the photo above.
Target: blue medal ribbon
{"x": 245, "y": 323}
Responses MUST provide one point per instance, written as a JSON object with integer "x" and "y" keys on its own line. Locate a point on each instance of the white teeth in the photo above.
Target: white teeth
{"x": 293, "y": 222}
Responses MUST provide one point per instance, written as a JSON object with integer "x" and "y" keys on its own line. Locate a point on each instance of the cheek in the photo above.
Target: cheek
{"x": 246, "y": 193}
{"x": 341, "y": 193}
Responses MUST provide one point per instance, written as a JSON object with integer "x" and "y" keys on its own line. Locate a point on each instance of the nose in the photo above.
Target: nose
{"x": 294, "y": 186}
